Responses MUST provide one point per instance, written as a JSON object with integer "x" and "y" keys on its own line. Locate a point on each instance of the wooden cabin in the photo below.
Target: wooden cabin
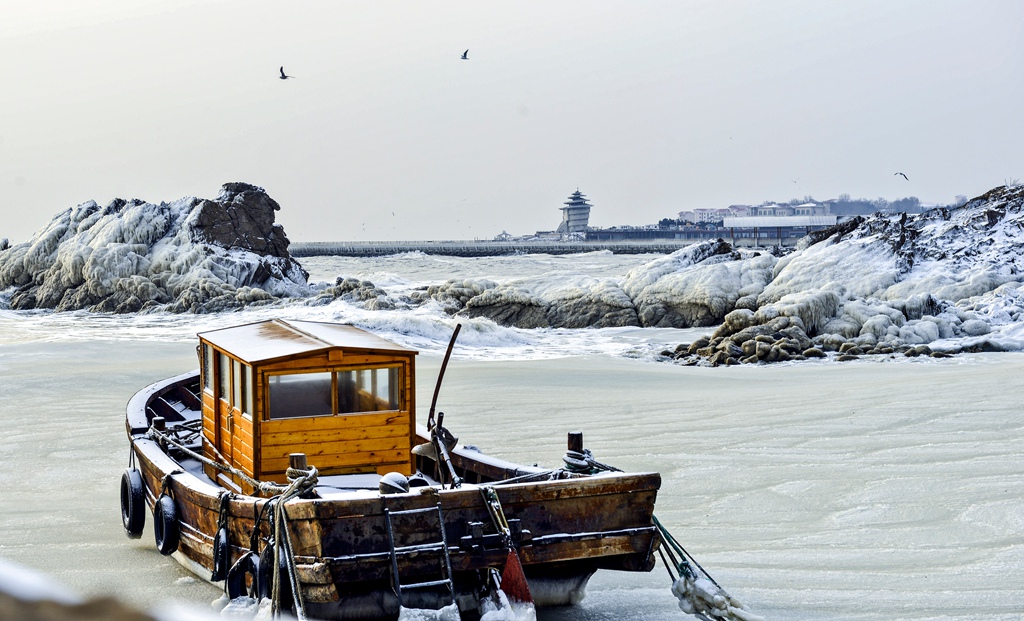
{"x": 344, "y": 397}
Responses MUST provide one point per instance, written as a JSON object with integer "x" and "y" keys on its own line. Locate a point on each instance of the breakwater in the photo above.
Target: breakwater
{"x": 480, "y": 248}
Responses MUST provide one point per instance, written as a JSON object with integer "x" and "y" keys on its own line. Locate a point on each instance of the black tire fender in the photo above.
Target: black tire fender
{"x": 247, "y": 565}
{"x": 266, "y": 577}
{"x": 133, "y": 503}
{"x": 166, "y": 529}
{"x": 221, "y": 555}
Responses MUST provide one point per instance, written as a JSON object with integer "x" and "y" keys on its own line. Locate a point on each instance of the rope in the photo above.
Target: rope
{"x": 264, "y": 487}
{"x": 300, "y": 482}
{"x": 696, "y": 590}
{"x": 585, "y": 463}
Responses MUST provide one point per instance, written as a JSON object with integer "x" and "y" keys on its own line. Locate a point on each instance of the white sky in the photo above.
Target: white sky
{"x": 649, "y": 108}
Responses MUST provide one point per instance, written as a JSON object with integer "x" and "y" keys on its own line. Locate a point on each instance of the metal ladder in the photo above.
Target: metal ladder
{"x": 441, "y": 547}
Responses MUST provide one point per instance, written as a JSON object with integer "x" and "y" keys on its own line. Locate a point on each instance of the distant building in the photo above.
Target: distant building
{"x": 772, "y": 210}
{"x": 758, "y": 231}
{"x": 575, "y": 214}
{"x": 710, "y": 215}
{"x": 811, "y": 209}
{"x": 714, "y": 214}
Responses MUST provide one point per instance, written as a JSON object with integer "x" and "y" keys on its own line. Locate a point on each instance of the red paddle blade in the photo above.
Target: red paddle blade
{"x": 513, "y": 580}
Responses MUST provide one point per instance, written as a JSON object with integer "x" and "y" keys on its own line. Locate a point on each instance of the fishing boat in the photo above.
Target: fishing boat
{"x": 291, "y": 465}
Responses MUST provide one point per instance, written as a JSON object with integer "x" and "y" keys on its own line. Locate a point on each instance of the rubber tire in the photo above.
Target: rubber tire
{"x": 221, "y": 555}
{"x": 266, "y": 578}
{"x": 166, "y": 530}
{"x": 248, "y": 564}
{"x": 133, "y": 503}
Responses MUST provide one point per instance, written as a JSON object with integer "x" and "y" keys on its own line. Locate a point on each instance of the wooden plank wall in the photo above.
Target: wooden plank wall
{"x": 377, "y": 442}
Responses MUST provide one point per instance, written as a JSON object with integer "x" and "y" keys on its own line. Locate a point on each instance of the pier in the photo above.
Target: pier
{"x": 482, "y": 248}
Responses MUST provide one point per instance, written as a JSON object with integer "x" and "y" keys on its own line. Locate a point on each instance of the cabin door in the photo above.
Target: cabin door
{"x": 225, "y": 412}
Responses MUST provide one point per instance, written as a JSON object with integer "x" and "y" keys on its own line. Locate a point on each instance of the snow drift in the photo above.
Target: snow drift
{"x": 194, "y": 255}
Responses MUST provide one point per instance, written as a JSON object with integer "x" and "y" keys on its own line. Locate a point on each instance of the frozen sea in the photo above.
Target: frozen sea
{"x": 876, "y": 489}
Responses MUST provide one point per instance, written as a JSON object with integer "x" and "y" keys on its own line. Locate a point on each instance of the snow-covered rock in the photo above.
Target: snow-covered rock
{"x": 946, "y": 280}
{"x": 193, "y": 255}
{"x": 453, "y": 294}
{"x": 555, "y": 302}
{"x": 702, "y": 294}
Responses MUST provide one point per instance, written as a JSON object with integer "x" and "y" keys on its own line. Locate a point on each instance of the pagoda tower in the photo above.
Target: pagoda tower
{"x": 575, "y": 214}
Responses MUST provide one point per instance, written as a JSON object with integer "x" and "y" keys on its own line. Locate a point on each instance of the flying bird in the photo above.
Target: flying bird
{"x": 900, "y": 174}
{"x": 465, "y": 55}
{"x": 283, "y": 76}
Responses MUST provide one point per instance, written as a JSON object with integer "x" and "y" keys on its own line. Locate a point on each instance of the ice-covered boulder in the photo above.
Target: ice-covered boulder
{"x": 697, "y": 285}
{"x": 702, "y": 295}
{"x": 353, "y": 290}
{"x": 641, "y": 277}
{"x": 555, "y": 302}
{"x": 191, "y": 255}
{"x": 453, "y": 294}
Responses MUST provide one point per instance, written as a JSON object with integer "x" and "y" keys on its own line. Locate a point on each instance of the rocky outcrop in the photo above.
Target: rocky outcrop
{"x": 702, "y": 294}
{"x": 192, "y": 255}
{"x": 242, "y": 216}
{"x": 452, "y": 295}
{"x": 354, "y": 291}
{"x": 579, "y": 303}
{"x": 694, "y": 286}
{"x": 934, "y": 284}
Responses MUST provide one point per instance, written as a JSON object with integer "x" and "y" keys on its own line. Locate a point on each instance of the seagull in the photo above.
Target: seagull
{"x": 283, "y": 76}
{"x": 465, "y": 55}
{"x": 900, "y": 174}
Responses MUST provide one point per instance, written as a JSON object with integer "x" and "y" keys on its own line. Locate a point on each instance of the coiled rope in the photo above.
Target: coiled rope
{"x": 584, "y": 463}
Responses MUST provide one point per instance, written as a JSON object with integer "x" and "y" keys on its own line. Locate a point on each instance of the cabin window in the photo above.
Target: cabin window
{"x": 368, "y": 390}
{"x": 247, "y": 389}
{"x": 223, "y": 377}
{"x": 301, "y": 394}
{"x": 237, "y": 384}
{"x": 207, "y": 356}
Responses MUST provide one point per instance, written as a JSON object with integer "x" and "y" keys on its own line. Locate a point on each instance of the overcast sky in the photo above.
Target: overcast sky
{"x": 649, "y": 108}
